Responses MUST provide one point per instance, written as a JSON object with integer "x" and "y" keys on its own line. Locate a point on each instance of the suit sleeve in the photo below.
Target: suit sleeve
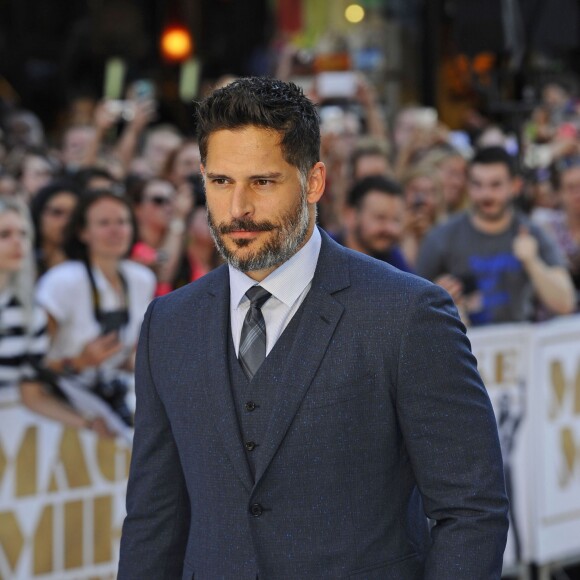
{"x": 156, "y": 527}
{"x": 451, "y": 436}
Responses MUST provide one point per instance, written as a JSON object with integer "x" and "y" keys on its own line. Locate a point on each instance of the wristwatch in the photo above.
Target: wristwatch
{"x": 68, "y": 367}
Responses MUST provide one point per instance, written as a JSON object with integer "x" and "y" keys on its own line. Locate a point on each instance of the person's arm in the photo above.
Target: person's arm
{"x": 156, "y": 528}
{"x": 93, "y": 353}
{"x": 450, "y": 433}
{"x": 126, "y": 146}
{"x": 367, "y": 97}
{"x": 552, "y": 284}
{"x": 173, "y": 244}
{"x": 104, "y": 120}
{"x": 38, "y": 399}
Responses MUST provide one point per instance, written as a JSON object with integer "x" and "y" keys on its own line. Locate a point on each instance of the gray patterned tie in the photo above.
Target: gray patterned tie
{"x": 253, "y": 339}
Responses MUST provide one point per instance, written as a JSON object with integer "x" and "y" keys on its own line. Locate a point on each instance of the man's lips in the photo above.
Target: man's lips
{"x": 245, "y": 234}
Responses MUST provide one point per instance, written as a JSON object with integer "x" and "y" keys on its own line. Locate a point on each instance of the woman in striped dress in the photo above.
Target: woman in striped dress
{"x": 24, "y": 338}
{"x": 23, "y": 333}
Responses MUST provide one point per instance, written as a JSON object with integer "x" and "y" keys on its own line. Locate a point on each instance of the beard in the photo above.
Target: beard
{"x": 496, "y": 215}
{"x": 375, "y": 246}
{"x": 288, "y": 235}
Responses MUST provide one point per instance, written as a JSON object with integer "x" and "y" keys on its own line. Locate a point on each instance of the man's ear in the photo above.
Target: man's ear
{"x": 316, "y": 182}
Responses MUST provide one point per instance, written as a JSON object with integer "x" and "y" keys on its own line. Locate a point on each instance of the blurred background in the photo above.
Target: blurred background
{"x": 96, "y": 119}
{"x": 461, "y": 57}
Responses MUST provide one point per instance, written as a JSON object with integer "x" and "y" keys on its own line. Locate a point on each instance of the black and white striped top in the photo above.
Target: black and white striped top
{"x": 20, "y": 347}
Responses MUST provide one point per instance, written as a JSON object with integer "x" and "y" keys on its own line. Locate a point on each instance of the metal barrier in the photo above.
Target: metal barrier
{"x": 62, "y": 498}
{"x": 532, "y": 374}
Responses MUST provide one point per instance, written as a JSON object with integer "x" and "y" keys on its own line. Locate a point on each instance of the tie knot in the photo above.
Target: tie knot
{"x": 257, "y": 296}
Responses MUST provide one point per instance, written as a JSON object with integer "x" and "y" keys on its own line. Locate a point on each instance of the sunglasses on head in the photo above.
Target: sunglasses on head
{"x": 158, "y": 200}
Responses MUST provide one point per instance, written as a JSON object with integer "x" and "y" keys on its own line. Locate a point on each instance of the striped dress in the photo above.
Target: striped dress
{"x": 20, "y": 348}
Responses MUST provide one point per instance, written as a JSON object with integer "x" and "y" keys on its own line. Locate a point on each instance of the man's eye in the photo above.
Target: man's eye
{"x": 219, "y": 181}
{"x": 263, "y": 182}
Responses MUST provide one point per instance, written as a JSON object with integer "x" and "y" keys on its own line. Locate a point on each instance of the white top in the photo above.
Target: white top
{"x": 289, "y": 284}
{"x": 65, "y": 292}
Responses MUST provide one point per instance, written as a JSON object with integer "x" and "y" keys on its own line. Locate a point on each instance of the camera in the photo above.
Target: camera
{"x": 120, "y": 109}
{"x": 114, "y": 392}
{"x": 336, "y": 85}
{"x": 114, "y": 320}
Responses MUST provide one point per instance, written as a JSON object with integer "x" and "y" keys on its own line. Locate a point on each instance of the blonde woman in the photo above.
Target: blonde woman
{"x": 23, "y": 338}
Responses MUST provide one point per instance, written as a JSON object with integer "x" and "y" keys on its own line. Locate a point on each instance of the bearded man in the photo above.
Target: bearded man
{"x": 493, "y": 261}
{"x": 374, "y": 218}
{"x": 303, "y": 410}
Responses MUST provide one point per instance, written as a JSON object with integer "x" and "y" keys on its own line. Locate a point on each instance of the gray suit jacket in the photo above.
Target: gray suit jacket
{"x": 380, "y": 417}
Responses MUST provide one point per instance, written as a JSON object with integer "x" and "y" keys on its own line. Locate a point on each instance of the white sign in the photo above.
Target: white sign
{"x": 502, "y": 358}
{"x": 62, "y": 498}
{"x": 555, "y": 464}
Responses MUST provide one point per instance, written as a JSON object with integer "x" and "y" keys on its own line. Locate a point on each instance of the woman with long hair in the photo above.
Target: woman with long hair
{"x": 51, "y": 210}
{"x": 95, "y": 303}
{"x": 23, "y": 338}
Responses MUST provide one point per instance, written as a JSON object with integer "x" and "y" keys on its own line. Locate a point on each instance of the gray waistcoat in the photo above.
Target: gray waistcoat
{"x": 254, "y": 399}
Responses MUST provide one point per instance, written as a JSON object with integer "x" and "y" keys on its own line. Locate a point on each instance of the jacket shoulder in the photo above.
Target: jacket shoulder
{"x": 208, "y": 284}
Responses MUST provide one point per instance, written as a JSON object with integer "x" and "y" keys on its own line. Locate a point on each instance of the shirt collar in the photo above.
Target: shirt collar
{"x": 286, "y": 282}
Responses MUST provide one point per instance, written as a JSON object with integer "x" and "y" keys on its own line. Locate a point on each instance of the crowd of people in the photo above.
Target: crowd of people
{"x": 97, "y": 223}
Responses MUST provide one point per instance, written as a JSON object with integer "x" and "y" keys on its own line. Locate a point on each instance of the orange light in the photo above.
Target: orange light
{"x": 176, "y": 44}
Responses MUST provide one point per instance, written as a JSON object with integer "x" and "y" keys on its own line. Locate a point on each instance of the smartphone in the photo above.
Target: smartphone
{"x": 143, "y": 90}
{"x": 336, "y": 84}
{"x": 121, "y": 109}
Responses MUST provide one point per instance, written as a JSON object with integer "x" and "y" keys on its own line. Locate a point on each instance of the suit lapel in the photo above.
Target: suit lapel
{"x": 217, "y": 379}
{"x": 321, "y": 313}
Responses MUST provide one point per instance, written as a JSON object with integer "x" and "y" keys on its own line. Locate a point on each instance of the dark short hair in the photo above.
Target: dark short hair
{"x": 370, "y": 183}
{"x": 84, "y": 175}
{"x": 267, "y": 103}
{"x": 74, "y": 247}
{"x": 368, "y": 146}
{"x": 492, "y": 156}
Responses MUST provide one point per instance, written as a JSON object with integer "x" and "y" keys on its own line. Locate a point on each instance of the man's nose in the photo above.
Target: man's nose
{"x": 241, "y": 203}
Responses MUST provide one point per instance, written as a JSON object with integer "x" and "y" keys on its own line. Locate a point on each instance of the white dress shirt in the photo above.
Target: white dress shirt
{"x": 289, "y": 284}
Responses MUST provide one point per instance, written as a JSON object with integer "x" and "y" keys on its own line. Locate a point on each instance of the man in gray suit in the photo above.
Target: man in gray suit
{"x": 303, "y": 410}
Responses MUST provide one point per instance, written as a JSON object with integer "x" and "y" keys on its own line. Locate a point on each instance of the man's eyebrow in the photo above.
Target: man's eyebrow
{"x": 216, "y": 176}
{"x": 270, "y": 175}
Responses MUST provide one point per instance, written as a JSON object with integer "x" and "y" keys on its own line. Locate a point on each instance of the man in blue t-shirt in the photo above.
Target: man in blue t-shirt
{"x": 491, "y": 259}
{"x": 374, "y": 217}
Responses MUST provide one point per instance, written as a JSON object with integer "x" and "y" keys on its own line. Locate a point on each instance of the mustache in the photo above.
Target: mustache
{"x": 246, "y": 226}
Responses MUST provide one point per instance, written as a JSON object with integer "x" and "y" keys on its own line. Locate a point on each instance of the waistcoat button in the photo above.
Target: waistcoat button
{"x": 256, "y": 510}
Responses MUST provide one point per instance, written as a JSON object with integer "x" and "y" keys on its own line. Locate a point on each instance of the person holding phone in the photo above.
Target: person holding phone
{"x": 95, "y": 303}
